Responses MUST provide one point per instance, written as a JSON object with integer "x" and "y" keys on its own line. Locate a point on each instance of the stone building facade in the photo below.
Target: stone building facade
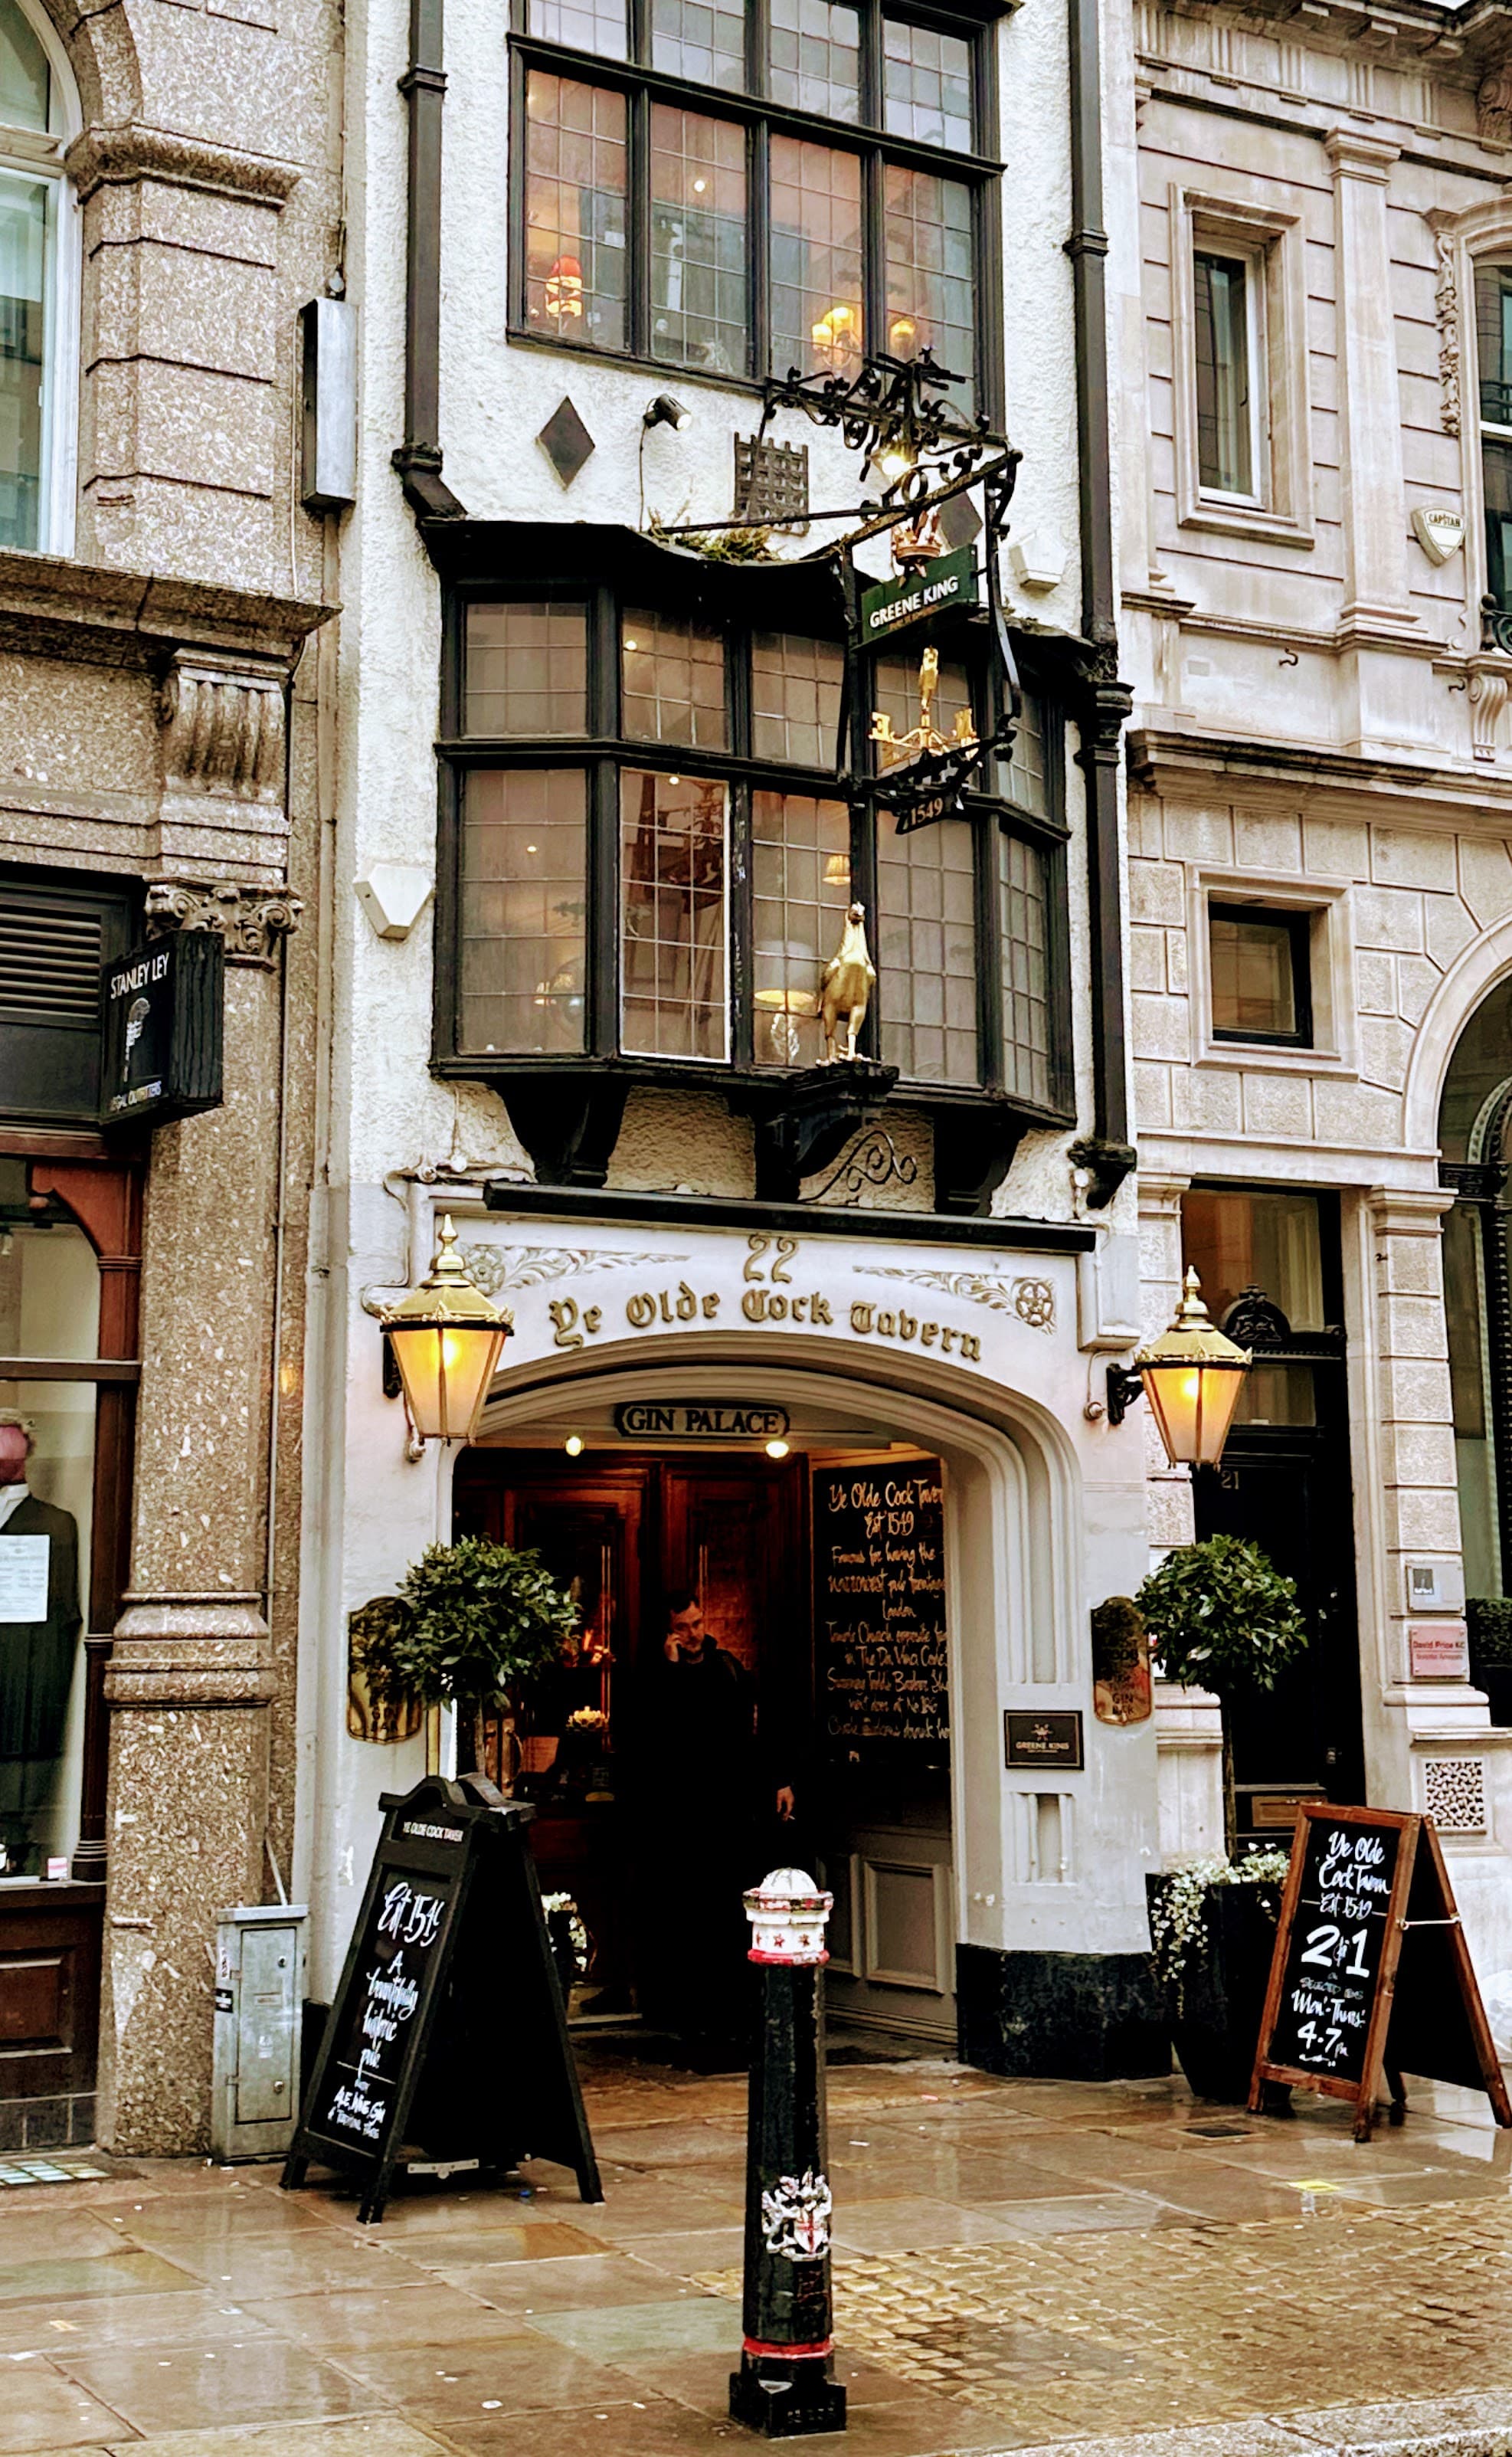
{"x": 1312, "y": 216}
{"x": 171, "y": 198}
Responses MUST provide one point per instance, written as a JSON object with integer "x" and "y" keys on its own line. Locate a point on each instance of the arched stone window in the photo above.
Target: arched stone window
{"x": 38, "y": 286}
{"x": 1475, "y": 1134}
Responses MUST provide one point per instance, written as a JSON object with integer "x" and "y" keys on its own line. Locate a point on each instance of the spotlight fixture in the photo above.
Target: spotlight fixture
{"x": 665, "y": 411}
{"x": 573, "y": 1446}
{"x": 777, "y": 1450}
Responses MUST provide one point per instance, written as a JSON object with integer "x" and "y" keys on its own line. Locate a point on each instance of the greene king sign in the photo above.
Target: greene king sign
{"x": 947, "y": 584}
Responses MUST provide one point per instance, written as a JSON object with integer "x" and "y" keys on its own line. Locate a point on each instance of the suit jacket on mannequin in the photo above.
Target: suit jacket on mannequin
{"x": 36, "y": 1658}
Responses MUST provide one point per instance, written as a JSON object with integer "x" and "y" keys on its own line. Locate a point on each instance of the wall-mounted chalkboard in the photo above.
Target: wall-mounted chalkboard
{"x": 883, "y": 1677}
{"x": 1371, "y": 1976}
{"x": 447, "y": 2042}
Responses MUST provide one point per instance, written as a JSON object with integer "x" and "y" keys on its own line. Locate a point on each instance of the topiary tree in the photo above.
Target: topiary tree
{"x": 1221, "y": 1616}
{"x": 473, "y": 1623}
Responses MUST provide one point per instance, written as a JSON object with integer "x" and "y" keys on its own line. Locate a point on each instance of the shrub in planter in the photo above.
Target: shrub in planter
{"x": 1489, "y": 1618}
{"x": 1213, "y": 1933}
{"x": 472, "y": 1625}
{"x": 1221, "y": 1616}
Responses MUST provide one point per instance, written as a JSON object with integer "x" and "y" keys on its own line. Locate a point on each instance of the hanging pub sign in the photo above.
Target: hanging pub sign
{"x": 446, "y": 2046}
{"x": 1371, "y": 1976}
{"x": 164, "y": 1008}
{"x": 942, "y": 587}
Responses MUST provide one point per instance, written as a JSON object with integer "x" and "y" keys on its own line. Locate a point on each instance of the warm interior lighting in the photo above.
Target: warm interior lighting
{"x": 573, "y": 1446}
{"x": 837, "y": 870}
{"x": 777, "y": 1450}
{"x": 1191, "y": 1377}
{"x": 565, "y": 287}
{"x": 836, "y": 334}
{"x": 902, "y": 336}
{"x": 446, "y": 1337}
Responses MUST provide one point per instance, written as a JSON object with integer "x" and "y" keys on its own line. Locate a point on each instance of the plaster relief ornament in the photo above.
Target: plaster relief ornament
{"x": 845, "y": 990}
{"x": 1438, "y": 531}
{"x": 795, "y": 2217}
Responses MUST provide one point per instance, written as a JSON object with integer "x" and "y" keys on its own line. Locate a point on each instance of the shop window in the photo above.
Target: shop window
{"x": 648, "y": 218}
{"x": 680, "y": 909}
{"x": 1260, "y": 975}
{"x": 50, "y": 1306}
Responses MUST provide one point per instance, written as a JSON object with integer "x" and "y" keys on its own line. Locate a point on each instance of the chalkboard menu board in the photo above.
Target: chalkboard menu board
{"x": 447, "y": 2040}
{"x": 1335, "y": 1947}
{"x": 1371, "y": 1976}
{"x": 879, "y": 1606}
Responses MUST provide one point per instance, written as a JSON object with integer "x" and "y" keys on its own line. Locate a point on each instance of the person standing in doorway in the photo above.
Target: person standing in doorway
{"x": 39, "y": 1627}
{"x": 714, "y": 1790}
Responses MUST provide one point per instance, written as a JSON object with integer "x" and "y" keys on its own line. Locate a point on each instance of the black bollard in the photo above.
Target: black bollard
{"x": 786, "y": 2384}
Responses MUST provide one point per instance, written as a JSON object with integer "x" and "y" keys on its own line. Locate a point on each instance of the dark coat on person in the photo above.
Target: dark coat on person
{"x": 36, "y": 1658}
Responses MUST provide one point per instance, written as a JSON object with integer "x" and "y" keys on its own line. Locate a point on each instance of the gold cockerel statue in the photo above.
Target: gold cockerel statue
{"x": 845, "y": 991}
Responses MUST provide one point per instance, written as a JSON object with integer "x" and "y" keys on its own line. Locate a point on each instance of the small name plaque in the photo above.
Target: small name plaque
{"x": 1036, "y": 1741}
{"x": 1438, "y": 1650}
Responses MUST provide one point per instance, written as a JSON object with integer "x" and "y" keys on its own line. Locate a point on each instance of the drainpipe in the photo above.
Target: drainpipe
{"x": 419, "y": 458}
{"x": 1107, "y": 1153}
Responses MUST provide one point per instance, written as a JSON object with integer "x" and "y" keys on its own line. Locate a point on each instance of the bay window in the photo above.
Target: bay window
{"x": 836, "y": 200}
{"x": 652, "y": 855}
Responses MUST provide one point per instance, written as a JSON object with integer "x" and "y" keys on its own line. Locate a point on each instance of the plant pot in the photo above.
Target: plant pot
{"x": 1216, "y": 2012}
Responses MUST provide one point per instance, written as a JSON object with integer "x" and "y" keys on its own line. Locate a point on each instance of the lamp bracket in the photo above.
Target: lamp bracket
{"x": 1125, "y": 1384}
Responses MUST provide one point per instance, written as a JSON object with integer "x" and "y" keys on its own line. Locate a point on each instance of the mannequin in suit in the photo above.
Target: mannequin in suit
{"x": 36, "y": 1658}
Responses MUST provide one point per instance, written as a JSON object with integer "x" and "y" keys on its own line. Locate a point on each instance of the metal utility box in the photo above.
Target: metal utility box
{"x": 328, "y": 405}
{"x": 260, "y": 1993}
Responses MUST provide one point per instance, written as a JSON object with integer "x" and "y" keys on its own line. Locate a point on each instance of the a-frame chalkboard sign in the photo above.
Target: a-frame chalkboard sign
{"x": 447, "y": 2043}
{"x": 1371, "y": 1976}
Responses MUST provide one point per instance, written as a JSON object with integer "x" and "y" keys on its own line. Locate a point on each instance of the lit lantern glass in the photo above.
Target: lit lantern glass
{"x": 446, "y": 1337}
{"x": 1191, "y": 1377}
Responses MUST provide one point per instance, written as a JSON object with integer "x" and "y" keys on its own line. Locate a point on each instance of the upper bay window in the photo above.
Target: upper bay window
{"x": 653, "y": 858}
{"x": 834, "y": 200}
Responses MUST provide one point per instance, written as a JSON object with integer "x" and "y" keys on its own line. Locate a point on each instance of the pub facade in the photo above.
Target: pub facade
{"x": 638, "y": 654}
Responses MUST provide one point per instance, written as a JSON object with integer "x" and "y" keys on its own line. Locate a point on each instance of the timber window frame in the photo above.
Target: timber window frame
{"x": 912, "y": 220}
{"x": 1322, "y": 910}
{"x": 1269, "y": 243}
{"x": 793, "y": 850}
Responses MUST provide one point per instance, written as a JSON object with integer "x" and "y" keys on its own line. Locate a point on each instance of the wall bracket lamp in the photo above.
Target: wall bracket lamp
{"x": 445, "y": 1337}
{"x": 1191, "y": 1376}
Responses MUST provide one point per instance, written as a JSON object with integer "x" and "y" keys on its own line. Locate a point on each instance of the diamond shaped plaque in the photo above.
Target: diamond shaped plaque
{"x": 565, "y": 440}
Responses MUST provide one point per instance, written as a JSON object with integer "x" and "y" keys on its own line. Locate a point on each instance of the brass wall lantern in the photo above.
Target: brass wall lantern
{"x": 446, "y": 1336}
{"x": 1191, "y": 1376}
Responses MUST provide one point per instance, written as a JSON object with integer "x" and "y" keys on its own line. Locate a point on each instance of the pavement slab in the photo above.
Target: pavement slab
{"x": 1074, "y": 2270}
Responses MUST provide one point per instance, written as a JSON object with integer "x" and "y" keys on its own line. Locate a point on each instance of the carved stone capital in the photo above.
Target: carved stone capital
{"x": 223, "y": 726}
{"x": 249, "y": 919}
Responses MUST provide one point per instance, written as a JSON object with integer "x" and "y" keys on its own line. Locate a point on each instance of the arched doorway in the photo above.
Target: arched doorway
{"x": 1474, "y": 1141}
{"x": 817, "y": 1564}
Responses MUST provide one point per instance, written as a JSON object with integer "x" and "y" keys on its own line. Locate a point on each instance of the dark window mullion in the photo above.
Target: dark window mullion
{"x": 758, "y": 39}
{"x": 638, "y": 225}
{"x": 873, "y": 192}
{"x": 991, "y": 1054}
{"x": 604, "y": 908}
{"x": 518, "y": 150}
{"x": 758, "y": 232}
{"x": 866, "y": 818}
{"x": 1057, "y": 966}
{"x": 641, "y": 30}
{"x": 741, "y": 933}
{"x": 604, "y": 666}
{"x": 871, "y": 67}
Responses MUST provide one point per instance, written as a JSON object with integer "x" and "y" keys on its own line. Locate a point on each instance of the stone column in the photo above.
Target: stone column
{"x": 191, "y": 1678}
{"x": 1189, "y": 1722}
{"x": 1369, "y": 405}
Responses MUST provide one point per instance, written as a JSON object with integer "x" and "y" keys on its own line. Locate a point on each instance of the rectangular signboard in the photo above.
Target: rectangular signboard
{"x": 163, "y": 1023}
{"x": 714, "y": 1420}
{"x": 946, "y": 584}
{"x": 1037, "y": 1739}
